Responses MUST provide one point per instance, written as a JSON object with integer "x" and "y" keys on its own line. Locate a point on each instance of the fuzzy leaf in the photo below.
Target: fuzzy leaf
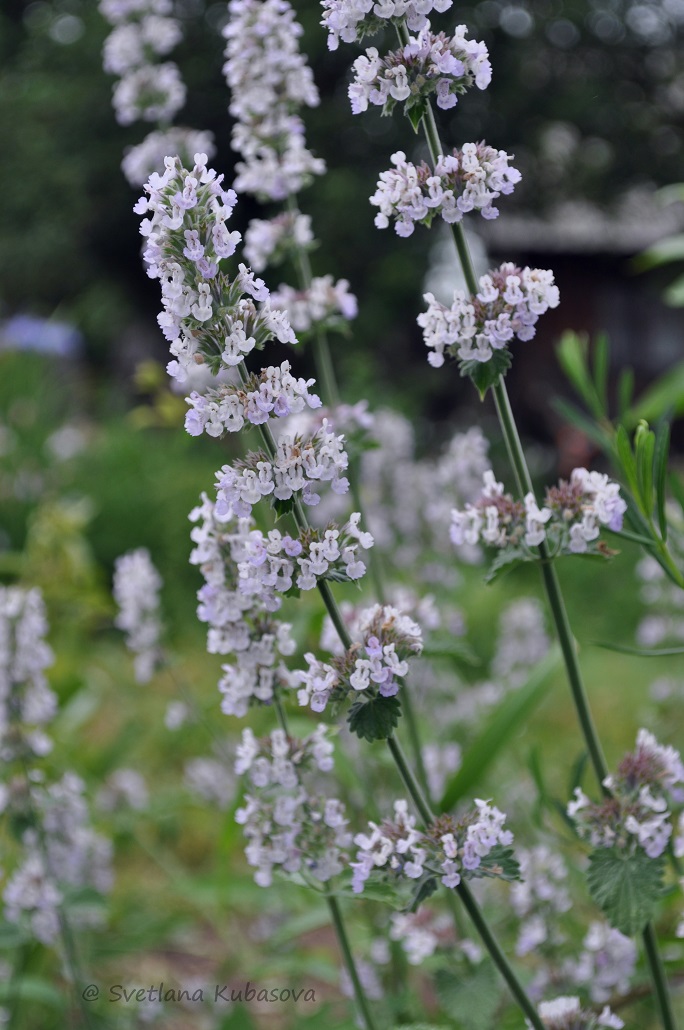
{"x": 424, "y": 889}
{"x": 486, "y": 373}
{"x": 472, "y": 1000}
{"x": 415, "y": 115}
{"x": 507, "y": 559}
{"x": 625, "y": 886}
{"x": 282, "y": 507}
{"x": 499, "y": 862}
{"x": 375, "y": 719}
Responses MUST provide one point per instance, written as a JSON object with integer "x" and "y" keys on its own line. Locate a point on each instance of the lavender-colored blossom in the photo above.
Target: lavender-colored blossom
{"x": 428, "y": 64}
{"x": 26, "y": 701}
{"x": 142, "y": 160}
{"x": 271, "y": 242}
{"x": 469, "y": 179}
{"x": 321, "y": 304}
{"x": 351, "y": 20}
{"x": 566, "y": 1013}
{"x": 606, "y": 964}
{"x": 136, "y": 592}
{"x": 509, "y": 303}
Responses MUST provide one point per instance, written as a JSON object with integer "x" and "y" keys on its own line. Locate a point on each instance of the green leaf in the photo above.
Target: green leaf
{"x": 662, "y": 253}
{"x": 472, "y": 1000}
{"x": 282, "y": 507}
{"x": 425, "y": 888}
{"x": 660, "y": 459}
{"x": 499, "y": 862}
{"x": 625, "y": 391}
{"x": 644, "y": 446}
{"x": 439, "y": 646}
{"x": 601, "y": 363}
{"x": 674, "y": 294}
{"x": 665, "y": 394}
{"x": 572, "y": 357}
{"x": 485, "y": 374}
{"x": 641, "y": 652}
{"x": 415, "y": 115}
{"x": 375, "y": 719}
{"x": 626, "y": 459}
{"x": 505, "y": 560}
{"x": 626, "y": 887}
{"x": 572, "y": 414}
{"x": 33, "y": 988}
{"x": 503, "y": 723}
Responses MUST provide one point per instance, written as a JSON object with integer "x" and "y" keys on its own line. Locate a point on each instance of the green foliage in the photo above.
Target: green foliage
{"x": 471, "y": 1000}
{"x": 485, "y": 374}
{"x": 375, "y": 719}
{"x": 626, "y": 886}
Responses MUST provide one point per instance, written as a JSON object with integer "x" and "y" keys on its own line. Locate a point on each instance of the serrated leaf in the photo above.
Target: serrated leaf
{"x": 282, "y": 507}
{"x": 626, "y": 887}
{"x": 375, "y": 719}
{"x": 424, "y": 889}
{"x": 486, "y": 374}
{"x": 660, "y": 459}
{"x": 506, "y": 560}
{"x": 499, "y": 862}
{"x": 506, "y": 719}
{"x": 473, "y": 1001}
{"x": 415, "y": 115}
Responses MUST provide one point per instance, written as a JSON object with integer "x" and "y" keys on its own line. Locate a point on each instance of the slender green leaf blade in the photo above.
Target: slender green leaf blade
{"x": 507, "y": 718}
{"x": 665, "y": 394}
{"x": 662, "y": 452}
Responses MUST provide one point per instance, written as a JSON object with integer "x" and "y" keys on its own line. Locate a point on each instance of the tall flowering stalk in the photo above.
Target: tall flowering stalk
{"x": 477, "y": 330}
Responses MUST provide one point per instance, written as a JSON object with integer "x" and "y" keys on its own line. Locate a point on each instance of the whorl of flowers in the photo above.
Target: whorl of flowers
{"x": 570, "y": 521}
{"x": 636, "y": 814}
{"x": 26, "y": 701}
{"x": 272, "y": 241}
{"x": 606, "y": 963}
{"x": 143, "y": 32}
{"x": 420, "y": 933}
{"x": 566, "y": 1013}
{"x": 449, "y": 850}
{"x": 323, "y": 304}
{"x": 239, "y": 625}
{"x": 469, "y": 179}
{"x": 296, "y": 465}
{"x": 508, "y": 304}
{"x": 539, "y": 896}
{"x": 139, "y": 162}
{"x": 351, "y": 20}
{"x": 273, "y": 561}
{"x": 207, "y": 317}
{"x": 269, "y": 81}
{"x": 136, "y": 592}
{"x": 369, "y": 668}
{"x": 287, "y": 827}
{"x": 69, "y": 855}
{"x": 273, "y": 393}
{"x": 429, "y": 64}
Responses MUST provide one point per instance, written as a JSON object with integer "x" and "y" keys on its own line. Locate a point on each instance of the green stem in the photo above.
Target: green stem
{"x": 551, "y": 584}
{"x": 414, "y": 738}
{"x": 497, "y": 955}
{"x": 343, "y": 941}
{"x": 659, "y": 978}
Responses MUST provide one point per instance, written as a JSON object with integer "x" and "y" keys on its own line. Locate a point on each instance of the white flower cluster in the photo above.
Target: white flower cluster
{"x": 566, "y": 1013}
{"x": 70, "y": 855}
{"x": 269, "y": 81}
{"x": 323, "y": 302}
{"x": 206, "y": 317}
{"x": 210, "y": 781}
{"x": 440, "y": 761}
{"x": 637, "y": 814}
{"x": 429, "y": 63}
{"x": 351, "y": 20}
{"x": 26, "y": 701}
{"x": 387, "y": 638}
{"x": 509, "y": 304}
{"x": 141, "y": 161}
{"x": 286, "y": 827}
{"x": 297, "y": 464}
{"x": 449, "y": 849}
{"x": 469, "y": 179}
{"x": 421, "y": 933}
{"x": 136, "y": 591}
{"x": 274, "y": 393}
{"x": 271, "y": 241}
{"x": 607, "y": 963}
{"x": 570, "y": 520}
{"x": 143, "y": 32}
{"x": 239, "y": 625}
{"x": 272, "y": 560}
